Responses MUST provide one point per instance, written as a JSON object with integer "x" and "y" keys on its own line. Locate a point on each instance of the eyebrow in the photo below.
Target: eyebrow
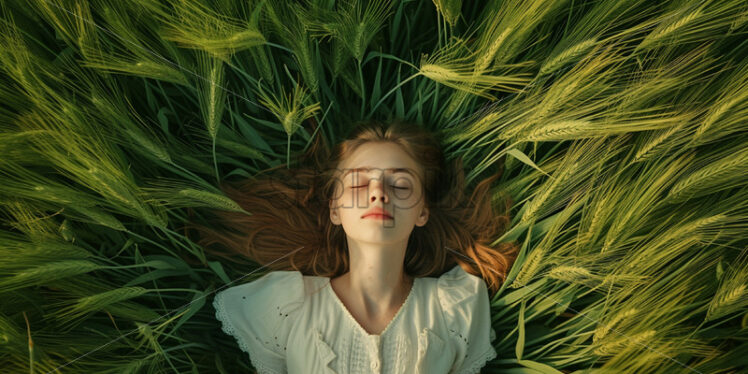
{"x": 367, "y": 168}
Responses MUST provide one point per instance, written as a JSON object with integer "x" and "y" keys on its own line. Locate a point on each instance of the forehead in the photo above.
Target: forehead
{"x": 376, "y": 157}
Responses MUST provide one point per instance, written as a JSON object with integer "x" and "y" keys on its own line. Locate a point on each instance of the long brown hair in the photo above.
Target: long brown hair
{"x": 290, "y": 213}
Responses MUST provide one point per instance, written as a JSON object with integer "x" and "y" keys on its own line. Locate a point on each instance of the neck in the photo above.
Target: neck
{"x": 376, "y": 278}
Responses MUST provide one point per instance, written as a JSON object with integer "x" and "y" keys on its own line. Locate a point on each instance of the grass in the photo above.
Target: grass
{"x": 619, "y": 125}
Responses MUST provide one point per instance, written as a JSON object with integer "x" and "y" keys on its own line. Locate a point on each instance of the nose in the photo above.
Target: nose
{"x": 377, "y": 191}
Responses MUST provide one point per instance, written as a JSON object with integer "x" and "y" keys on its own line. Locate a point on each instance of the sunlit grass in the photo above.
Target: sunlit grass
{"x": 619, "y": 126}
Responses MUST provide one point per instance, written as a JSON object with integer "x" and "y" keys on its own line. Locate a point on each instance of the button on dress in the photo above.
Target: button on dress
{"x": 292, "y": 323}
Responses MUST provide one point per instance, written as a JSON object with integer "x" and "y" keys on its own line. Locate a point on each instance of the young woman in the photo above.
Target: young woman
{"x": 374, "y": 260}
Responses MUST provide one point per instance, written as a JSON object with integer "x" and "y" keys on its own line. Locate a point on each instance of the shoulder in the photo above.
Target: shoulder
{"x": 284, "y": 289}
{"x": 457, "y": 288}
{"x": 259, "y": 314}
{"x": 466, "y": 309}
{"x": 464, "y": 302}
{"x": 263, "y": 303}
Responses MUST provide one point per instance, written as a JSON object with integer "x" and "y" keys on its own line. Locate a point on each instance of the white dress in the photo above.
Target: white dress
{"x": 293, "y": 323}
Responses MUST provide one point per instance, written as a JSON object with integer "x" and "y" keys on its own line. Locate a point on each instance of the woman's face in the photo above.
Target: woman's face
{"x": 379, "y": 175}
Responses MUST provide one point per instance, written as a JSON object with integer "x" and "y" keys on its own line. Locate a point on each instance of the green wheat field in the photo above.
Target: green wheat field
{"x": 621, "y": 125}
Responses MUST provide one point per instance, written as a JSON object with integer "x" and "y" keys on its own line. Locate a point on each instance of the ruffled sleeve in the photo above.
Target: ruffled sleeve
{"x": 259, "y": 316}
{"x": 467, "y": 314}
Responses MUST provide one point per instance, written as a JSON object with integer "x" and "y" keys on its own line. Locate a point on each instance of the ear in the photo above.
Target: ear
{"x": 334, "y": 217}
{"x": 423, "y": 217}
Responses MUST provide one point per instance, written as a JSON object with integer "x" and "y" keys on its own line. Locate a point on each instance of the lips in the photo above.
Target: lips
{"x": 379, "y": 212}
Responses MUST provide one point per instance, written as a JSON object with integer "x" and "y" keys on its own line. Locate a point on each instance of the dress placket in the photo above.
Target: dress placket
{"x": 376, "y": 361}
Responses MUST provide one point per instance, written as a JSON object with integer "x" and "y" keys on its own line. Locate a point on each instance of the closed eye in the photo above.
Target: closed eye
{"x": 399, "y": 188}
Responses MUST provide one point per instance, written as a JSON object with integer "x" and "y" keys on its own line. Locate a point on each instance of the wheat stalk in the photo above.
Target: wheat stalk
{"x": 701, "y": 223}
{"x": 98, "y": 301}
{"x": 136, "y": 67}
{"x": 513, "y": 130}
{"x": 691, "y": 231}
{"x": 539, "y": 200}
{"x": 100, "y": 217}
{"x": 88, "y": 304}
{"x": 305, "y": 59}
{"x": 132, "y": 311}
{"x": 616, "y": 345}
{"x": 449, "y": 9}
{"x": 355, "y": 27}
{"x": 211, "y": 199}
{"x": 112, "y": 187}
{"x": 52, "y": 250}
{"x": 155, "y": 149}
{"x": 723, "y": 302}
{"x": 215, "y": 75}
{"x": 716, "y": 174}
{"x": 457, "y": 100}
{"x": 46, "y": 273}
{"x": 565, "y": 57}
{"x": 485, "y": 59}
{"x": 562, "y": 130}
{"x": 481, "y": 125}
{"x": 653, "y": 146}
{"x": 664, "y": 31}
{"x": 87, "y": 38}
{"x": 529, "y": 268}
{"x": 240, "y": 148}
{"x": 447, "y": 68}
{"x": 602, "y": 330}
{"x": 569, "y": 273}
{"x": 339, "y": 57}
{"x": 652, "y": 255}
{"x": 595, "y": 221}
{"x": 198, "y": 27}
{"x": 289, "y": 110}
{"x": 440, "y": 73}
{"x": 552, "y": 99}
{"x": 613, "y": 279}
{"x": 222, "y": 46}
{"x": 715, "y": 113}
{"x": 212, "y": 95}
{"x": 261, "y": 60}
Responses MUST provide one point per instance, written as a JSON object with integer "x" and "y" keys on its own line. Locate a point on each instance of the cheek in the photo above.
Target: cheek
{"x": 352, "y": 199}
{"x": 405, "y": 195}
{"x": 351, "y": 194}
